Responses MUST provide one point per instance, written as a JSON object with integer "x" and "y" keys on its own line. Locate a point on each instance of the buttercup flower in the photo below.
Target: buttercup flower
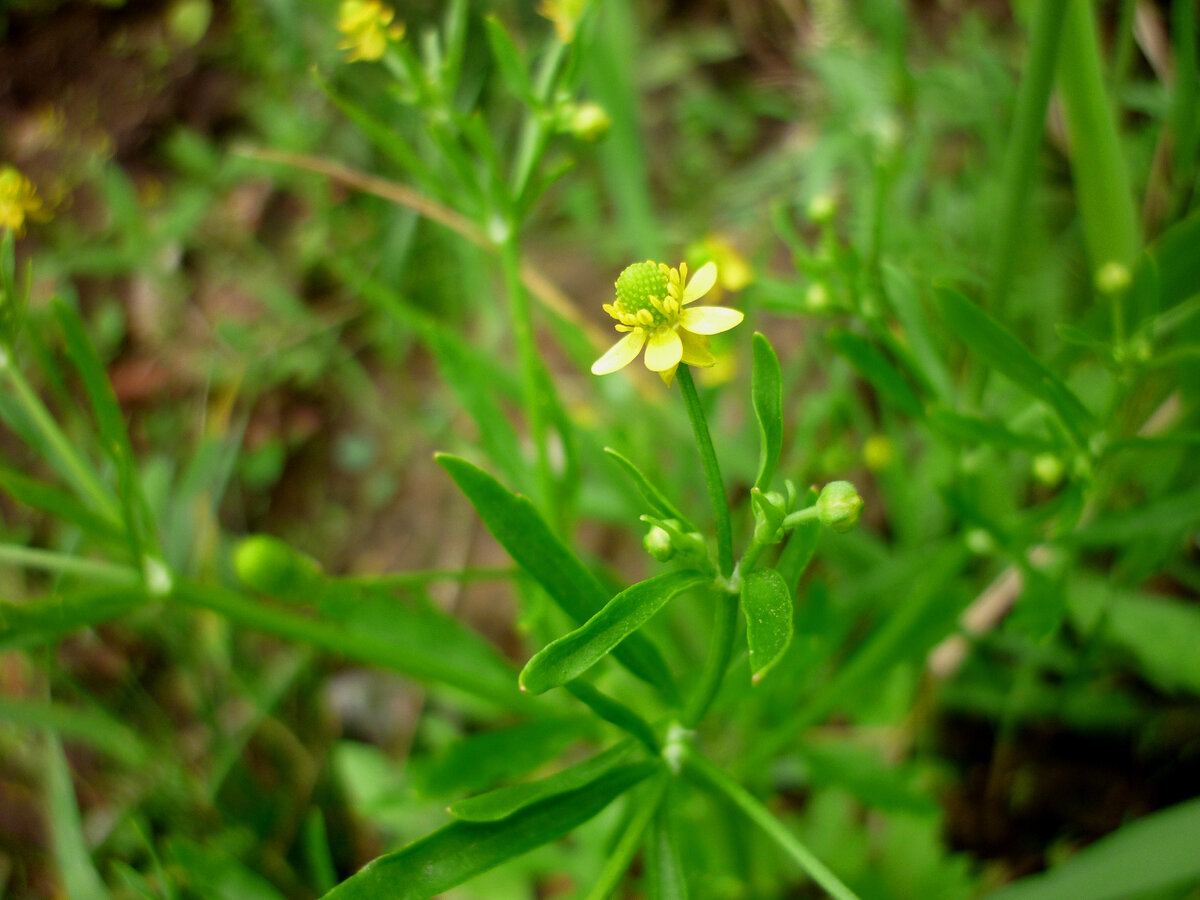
{"x": 650, "y": 308}
{"x": 367, "y": 26}
{"x": 18, "y": 201}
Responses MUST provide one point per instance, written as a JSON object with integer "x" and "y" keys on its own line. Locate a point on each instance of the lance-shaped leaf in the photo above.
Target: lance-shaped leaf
{"x": 657, "y": 500}
{"x": 503, "y": 802}
{"x": 878, "y": 370}
{"x": 997, "y": 347}
{"x": 573, "y": 654}
{"x": 510, "y": 60}
{"x": 767, "y": 602}
{"x": 461, "y": 850}
{"x": 767, "y": 391}
{"x": 516, "y": 525}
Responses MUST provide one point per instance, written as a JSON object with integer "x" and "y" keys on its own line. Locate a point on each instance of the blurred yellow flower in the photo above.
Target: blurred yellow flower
{"x": 565, "y": 15}
{"x": 650, "y": 308}
{"x": 367, "y": 27}
{"x": 18, "y": 201}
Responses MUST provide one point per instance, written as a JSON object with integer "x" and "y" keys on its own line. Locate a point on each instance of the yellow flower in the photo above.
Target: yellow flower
{"x": 650, "y": 308}
{"x": 565, "y": 15}
{"x": 367, "y": 26}
{"x": 18, "y": 201}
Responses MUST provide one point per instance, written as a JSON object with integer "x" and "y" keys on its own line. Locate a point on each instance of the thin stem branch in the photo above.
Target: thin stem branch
{"x": 631, "y": 837}
{"x": 49, "y": 561}
{"x": 712, "y": 471}
{"x": 710, "y": 775}
{"x": 720, "y": 649}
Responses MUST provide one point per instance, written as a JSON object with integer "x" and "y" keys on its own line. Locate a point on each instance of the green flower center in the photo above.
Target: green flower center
{"x": 642, "y": 286}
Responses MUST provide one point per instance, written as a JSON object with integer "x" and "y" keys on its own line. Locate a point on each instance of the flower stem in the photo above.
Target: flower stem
{"x": 706, "y": 772}
{"x": 712, "y": 471}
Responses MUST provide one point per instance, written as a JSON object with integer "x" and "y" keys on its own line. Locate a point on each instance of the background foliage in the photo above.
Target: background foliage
{"x": 274, "y": 282}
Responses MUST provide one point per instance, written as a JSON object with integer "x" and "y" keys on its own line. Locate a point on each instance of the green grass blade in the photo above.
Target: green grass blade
{"x": 767, "y": 391}
{"x": 985, "y": 432}
{"x": 392, "y": 638}
{"x": 999, "y": 349}
{"x": 479, "y": 761}
{"x": 1155, "y": 853}
{"x": 71, "y": 853}
{"x": 767, "y": 604}
{"x": 93, "y": 727}
{"x": 645, "y": 804}
{"x": 924, "y": 354}
{"x": 511, "y": 62}
{"x": 1102, "y": 186}
{"x": 665, "y": 876}
{"x": 461, "y": 850}
{"x": 573, "y": 654}
{"x": 708, "y": 774}
{"x": 1024, "y": 142}
{"x": 878, "y": 371}
{"x": 44, "y": 621}
{"x": 503, "y": 802}
{"x": 519, "y": 529}
{"x": 58, "y": 503}
{"x": 1185, "y": 101}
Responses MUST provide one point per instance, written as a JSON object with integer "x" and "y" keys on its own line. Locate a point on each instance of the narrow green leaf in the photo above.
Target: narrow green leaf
{"x": 461, "y": 850}
{"x": 976, "y": 430}
{"x": 614, "y": 712}
{"x": 57, "y": 502}
{"x": 376, "y": 630}
{"x": 44, "y": 621}
{"x": 926, "y": 358}
{"x": 665, "y": 877}
{"x": 573, "y": 654}
{"x": 767, "y": 390}
{"x": 998, "y": 348}
{"x": 481, "y": 760}
{"x": 1102, "y": 187}
{"x": 767, "y": 603}
{"x": 1153, "y": 854}
{"x": 650, "y": 492}
{"x": 74, "y": 859}
{"x": 503, "y": 802}
{"x": 1159, "y": 634}
{"x": 510, "y": 60}
{"x": 94, "y": 727}
{"x": 643, "y": 807}
{"x": 519, "y": 529}
{"x": 879, "y": 372}
{"x": 1164, "y": 519}
{"x": 1175, "y": 262}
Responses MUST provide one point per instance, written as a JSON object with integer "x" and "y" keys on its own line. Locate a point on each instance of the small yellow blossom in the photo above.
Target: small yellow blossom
{"x": 650, "y": 308}
{"x": 565, "y": 15}
{"x": 367, "y": 27}
{"x": 18, "y": 201}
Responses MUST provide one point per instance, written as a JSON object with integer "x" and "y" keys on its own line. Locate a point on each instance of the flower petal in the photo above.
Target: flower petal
{"x": 701, "y": 283}
{"x": 620, "y": 354}
{"x": 695, "y": 350}
{"x": 710, "y": 319}
{"x": 663, "y": 350}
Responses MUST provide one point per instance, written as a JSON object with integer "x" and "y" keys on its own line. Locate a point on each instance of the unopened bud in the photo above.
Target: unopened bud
{"x": 269, "y": 565}
{"x": 658, "y": 544}
{"x": 839, "y": 506}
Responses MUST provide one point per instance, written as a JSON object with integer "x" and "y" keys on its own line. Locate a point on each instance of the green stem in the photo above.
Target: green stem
{"x": 622, "y": 854}
{"x": 47, "y": 560}
{"x": 1020, "y": 158}
{"x": 710, "y": 775}
{"x": 69, "y": 463}
{"x": 720, "y": 649}
{"x": 712, "y": 471}
{"x": 531, "y": 369}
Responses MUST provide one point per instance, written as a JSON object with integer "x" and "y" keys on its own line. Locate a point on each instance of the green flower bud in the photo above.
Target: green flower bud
{"x": 839, "y": 506}
{"x": 267, "y": 564}
{"x": 1048, "y": 469}
{"x": 658, "y": 544}
{"x": 1113, "y": 278}
{"x": 821, "y": 208}
{"x": 585, "y": 121}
